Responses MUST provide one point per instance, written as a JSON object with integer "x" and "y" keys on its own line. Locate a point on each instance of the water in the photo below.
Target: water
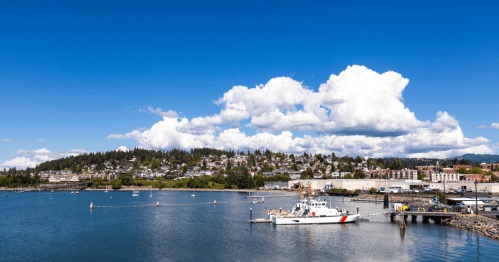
{"x": 60, "y": 227}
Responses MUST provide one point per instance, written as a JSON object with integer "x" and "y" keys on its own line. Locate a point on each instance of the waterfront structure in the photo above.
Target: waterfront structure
{"x": 403, "y": 174}
{"x": 447, "y": 177}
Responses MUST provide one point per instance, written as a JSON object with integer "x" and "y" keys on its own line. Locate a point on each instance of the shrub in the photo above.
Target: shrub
{"x": 373, "y": 190}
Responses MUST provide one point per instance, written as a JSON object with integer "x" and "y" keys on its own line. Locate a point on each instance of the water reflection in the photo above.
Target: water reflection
{"x": 65, "y": 228}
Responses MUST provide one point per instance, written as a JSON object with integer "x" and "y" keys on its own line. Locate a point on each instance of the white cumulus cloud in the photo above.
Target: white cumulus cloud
{"x": 122, "y": 149}
{"x": 358, "y": 112}
{"x": 160, "y": 112}
{"x": 20, "y": 163}
{"x": 494, "y": 126}
{"x": 31, "y": 158}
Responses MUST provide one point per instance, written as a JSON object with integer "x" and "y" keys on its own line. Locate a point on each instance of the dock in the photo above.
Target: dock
{"x": 267, "y": 196}
{"x": 260, "y": 220}
{"x": 436, "y": 216}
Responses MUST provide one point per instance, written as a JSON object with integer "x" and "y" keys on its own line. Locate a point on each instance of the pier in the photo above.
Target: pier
{"x": 435, "y": 216}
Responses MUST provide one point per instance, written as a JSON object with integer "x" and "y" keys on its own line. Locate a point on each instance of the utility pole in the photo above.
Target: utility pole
{"x": 445, "y": 195}
{"x": 476, "y": 197}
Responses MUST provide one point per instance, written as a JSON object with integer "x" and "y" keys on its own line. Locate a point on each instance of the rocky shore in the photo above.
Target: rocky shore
{"x": 479, "y": 224}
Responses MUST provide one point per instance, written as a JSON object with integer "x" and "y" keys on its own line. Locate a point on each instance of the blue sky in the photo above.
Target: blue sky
{"x": 73, "y": 73}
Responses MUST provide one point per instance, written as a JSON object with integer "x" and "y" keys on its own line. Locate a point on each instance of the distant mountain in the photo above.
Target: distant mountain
{"x": 477, "y": 158}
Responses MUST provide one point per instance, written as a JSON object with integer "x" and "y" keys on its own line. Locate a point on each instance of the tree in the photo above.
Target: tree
{"x": 307, "y": 174}
{"x": 359, "y": 175}
{"x": 493, "y": 177}
{"x": 476, "y": 170}
{"x": 116, "y": 184}
{"x": 380, "y": 165}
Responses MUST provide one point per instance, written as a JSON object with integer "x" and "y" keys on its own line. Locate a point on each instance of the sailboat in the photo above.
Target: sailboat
{"x": 151, "y": 193}
{"x": 106, "y": 190}
{"x": 193, "y": 192}
{"x": 5, "y": 191}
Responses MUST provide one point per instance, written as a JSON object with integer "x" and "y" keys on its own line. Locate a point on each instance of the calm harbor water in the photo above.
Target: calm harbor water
{"x": 60, "y": 227}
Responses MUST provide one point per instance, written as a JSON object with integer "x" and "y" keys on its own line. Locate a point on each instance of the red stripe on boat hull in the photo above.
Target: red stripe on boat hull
{"x": 343, "y": 219}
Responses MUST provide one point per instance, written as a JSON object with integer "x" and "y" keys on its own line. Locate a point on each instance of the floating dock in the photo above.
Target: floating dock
{"x": 267, "y": 196}
{"x": 261, "y": 220}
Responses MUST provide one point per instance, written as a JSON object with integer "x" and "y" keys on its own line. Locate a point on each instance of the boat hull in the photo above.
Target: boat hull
{"x": 314, "y": 220}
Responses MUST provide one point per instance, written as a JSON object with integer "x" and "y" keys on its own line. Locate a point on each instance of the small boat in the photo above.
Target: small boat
{"x": 135, "y": 193}
{"x": 255, "y": 201}
{"x": 72, "y": 192}
{"x": 5, "y": 192}
{"x": 106, "y": 190}
{"x": 151, "y": 193}
{"x": 193, "y": 193}
{"x": 76, "y": 192}
{"x": 52, "y": 191}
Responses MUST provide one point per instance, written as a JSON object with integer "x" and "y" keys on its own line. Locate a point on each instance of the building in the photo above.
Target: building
{"x": 456, "y": 167}
{"x": 447, "y": 177}
{"x": 488, "y": 166}
{"x": 275, "y": 184}
{"x": 403, "y": 174}
{"x": 481, "y": 178}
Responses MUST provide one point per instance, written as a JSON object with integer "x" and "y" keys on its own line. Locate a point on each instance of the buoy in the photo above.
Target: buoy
{"x": 263, "y": 200}
{"x": 215, "y": 202}
{"x": 157, "y": 204}
{"x": 91, "y": 206}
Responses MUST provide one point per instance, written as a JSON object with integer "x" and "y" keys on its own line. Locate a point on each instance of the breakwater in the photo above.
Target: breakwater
{"x": 479, "y": 224}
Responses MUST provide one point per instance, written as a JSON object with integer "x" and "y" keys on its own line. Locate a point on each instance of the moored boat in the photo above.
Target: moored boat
{"x": 310, "y": 211}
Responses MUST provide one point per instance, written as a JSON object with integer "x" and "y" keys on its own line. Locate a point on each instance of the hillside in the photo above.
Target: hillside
{"x": 477, "y": 158}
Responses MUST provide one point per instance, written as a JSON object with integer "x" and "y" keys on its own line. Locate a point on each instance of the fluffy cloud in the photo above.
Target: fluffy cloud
{"x": 160, "y": 112}
{"x": 31, "y": 158}
{"x": 20, "y": 162}
{"x": 358, "y": 112}
{"x": 122, "y": 149}
{"x": 494, "y": 126}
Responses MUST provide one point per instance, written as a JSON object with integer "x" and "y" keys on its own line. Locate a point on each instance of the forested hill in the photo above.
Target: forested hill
{"x": 142, "y": 155}
{"x": 478, "y": 158}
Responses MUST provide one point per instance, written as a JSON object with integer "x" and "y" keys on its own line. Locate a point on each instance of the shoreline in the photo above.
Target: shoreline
{"x": 476, "y": 223}
{"x": 190, "y": 189}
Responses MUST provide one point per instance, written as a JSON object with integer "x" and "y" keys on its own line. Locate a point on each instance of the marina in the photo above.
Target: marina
{"x": 180, "y": 221}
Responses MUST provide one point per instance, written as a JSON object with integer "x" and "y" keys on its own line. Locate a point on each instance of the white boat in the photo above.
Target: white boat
{"x": 193, "y": 193}
{"x": 310, "y": 211}
{"x": 77, "y": 192}
{"x": 255, "y": 201}
{"x": 151, "y": 193}
{"x": 135, "y": 193}
{"x": 106, "y": 190}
